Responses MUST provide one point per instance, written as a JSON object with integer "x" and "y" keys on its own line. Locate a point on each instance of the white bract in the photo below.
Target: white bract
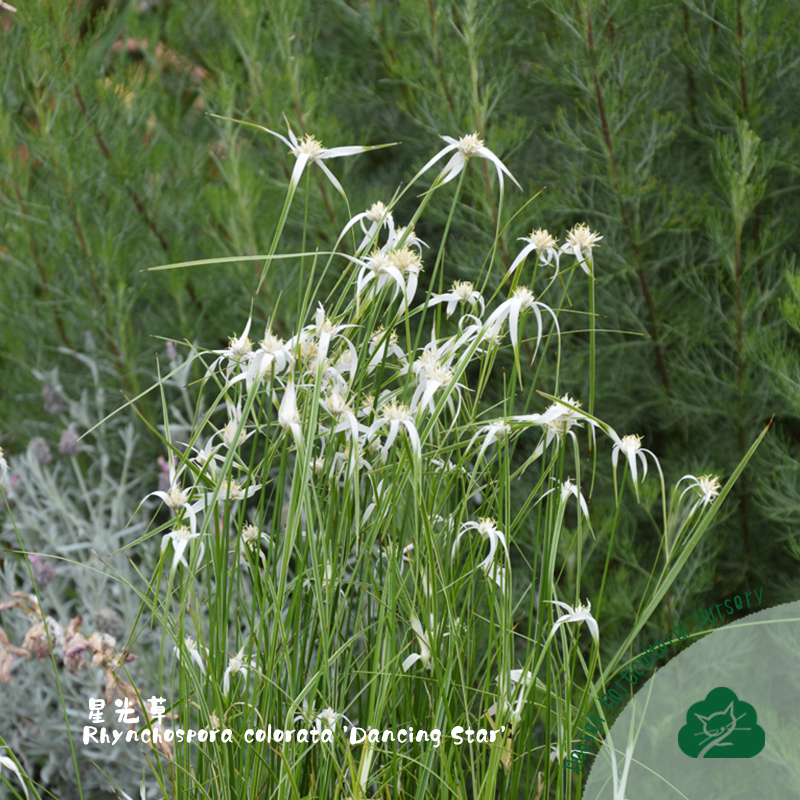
{"x": 707, "y": 485}
{"x": 180, "y": 538}
{"x": 309, "y": 150}
{"x": 466, "y": 147}
{"x": 495, "y": 572}
{"x": 176, "y": 498}
{"x": 557, "y": 421}
{"x": 580, "y": 242}
{"x": 378, "y": 215}
{"x": 462, "y": 292}
{"x": 424, "y": 642}
{"x": 495, "y": 431}
{"x": 207, "y": 458}
{"x": 327, "y": 331}
{"x": 543, "y": 243}
{"x": 237, "y": 354}
{"x": 397, "y": 417}
{"x": 405, "y": 236}
{"x": 487, "y": 528}
{"x": 252, "y": 536}
{"x": 434, "y": 377}
{"x": 408, "y": 264}
{"x": 10, "y": 764}
{"x": 228, "y": 433}
{"x": 231, "y": 491}
{"x": 327, "y": 719}
{"x": 521, "y": 301}
{"x": 237, "y": 665}
{"x": 631, "y": 447}
{"x": 569, "y": 489}
{"x": 581, "y": 613}
{"x": 289, "y": 415}
{"x": 194, "y": 653}
{"x": 378, "y": 271}
{"x": 272, "y": 357}
{"x": 351, "y": 457}
{"x": 435, "y": 353}
{"x": 511, "y": 695}
{"x": 345, "y": 420}
{"x": 383, "y": 344}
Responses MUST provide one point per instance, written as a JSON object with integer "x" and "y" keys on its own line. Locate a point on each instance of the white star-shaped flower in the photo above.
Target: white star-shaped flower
{"x": 252, "y": 536}
{"x": 238, "y": 353}
{"x": 521, "y": 300}
{"x": 397, "y": 416}
{"x": 495, "y": 431}
{"x": 469, "y": 146}
{"x": 487, "y": 528}
{"x": 569, "y": 489}
{"x": 180, "y": 538}
{"x": 512, "y": 695}
{"x": 707, "y": 485}
{"x": 462, "y": 292}
{"x": 557, "y": 421}
{"x": 581, "y": 613}
{"x": 424, "y": 640}
{"x": 288, "y": 413}
{"x": 309, "y": 150}
{"x": 580, "y": 242}
{"x": 237, "y": 665}
{"x": 544, "y": 244}
{"x": 631, "y": 447}
{"x": 379, "y": 216}
{"x": 194, "y": 653}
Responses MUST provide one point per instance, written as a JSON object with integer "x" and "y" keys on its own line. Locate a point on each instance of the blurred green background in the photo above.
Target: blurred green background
{"x": 670, "y": 128}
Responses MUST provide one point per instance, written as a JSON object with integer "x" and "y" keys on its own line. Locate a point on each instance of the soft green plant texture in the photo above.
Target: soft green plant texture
{"x": 670, "y": 129}
{"x": 68, "y": 511}
{"x": 623, "y": 114}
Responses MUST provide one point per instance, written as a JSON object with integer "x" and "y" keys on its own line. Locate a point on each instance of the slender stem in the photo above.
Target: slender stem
{"x": 592, "y": 338}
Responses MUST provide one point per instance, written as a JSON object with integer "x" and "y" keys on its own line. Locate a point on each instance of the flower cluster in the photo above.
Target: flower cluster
{"x": 580, "y": 243}
{"x": 77, "y": 652}
{"x": 346, "y": 478}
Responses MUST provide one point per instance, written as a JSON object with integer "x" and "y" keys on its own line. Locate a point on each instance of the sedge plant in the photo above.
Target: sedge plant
{"x": 354, "y": 599}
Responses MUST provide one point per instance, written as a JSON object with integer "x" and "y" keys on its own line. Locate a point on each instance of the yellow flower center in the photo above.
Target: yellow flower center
{"x": 470, "y": 144}
{"x": 394, "y": 411}
{"x": 541, "y": 239}
{"x": 309, "y": 146}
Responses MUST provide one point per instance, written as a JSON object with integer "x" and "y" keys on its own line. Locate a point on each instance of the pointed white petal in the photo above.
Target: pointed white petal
{"x": 332, "y": 178}
{"x": 441, "y": 154}
{"x": 347, "y": 150}
{"x": 297, "y": 172}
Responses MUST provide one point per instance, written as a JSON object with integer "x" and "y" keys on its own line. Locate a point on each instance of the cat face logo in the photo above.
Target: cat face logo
{"x": 721, "y": 726}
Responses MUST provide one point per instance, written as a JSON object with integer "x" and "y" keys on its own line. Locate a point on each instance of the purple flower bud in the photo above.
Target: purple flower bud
{"x": 53, "y": 401}
{"x": 106, "y": 620}
{"x": 43, "y": 571}
{"x": 69, "y": 444}
{"x": 37, "y": 447}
